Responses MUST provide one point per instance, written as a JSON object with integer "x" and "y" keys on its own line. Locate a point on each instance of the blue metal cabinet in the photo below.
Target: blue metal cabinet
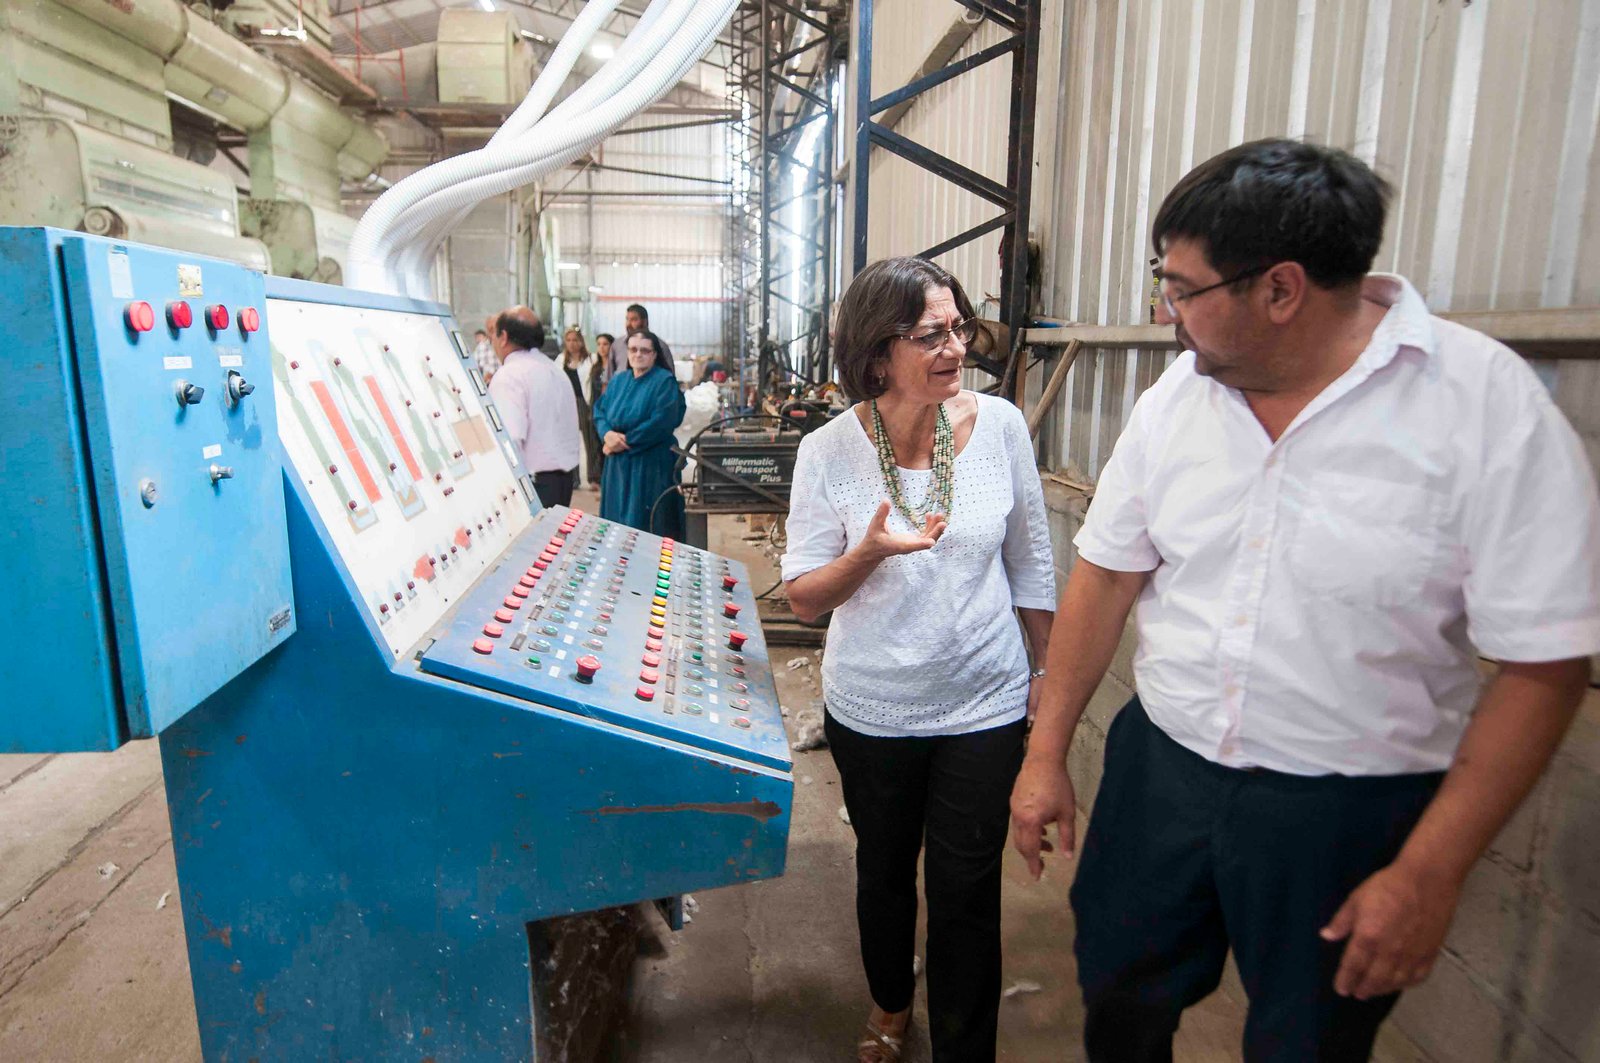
{"x": 146, "y": 554}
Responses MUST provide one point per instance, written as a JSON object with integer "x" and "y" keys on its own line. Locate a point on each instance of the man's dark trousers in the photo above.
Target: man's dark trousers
{"x": 554, "y": 487}
{"x": 1185, "y": 859}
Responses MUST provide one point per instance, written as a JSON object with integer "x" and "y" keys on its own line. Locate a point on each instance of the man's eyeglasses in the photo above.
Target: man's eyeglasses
{"x": 1171, "y": 299}
{"x": 936, "y": 341}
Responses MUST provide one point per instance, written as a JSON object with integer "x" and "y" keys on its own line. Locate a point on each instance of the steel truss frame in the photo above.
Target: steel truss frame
{"x": 1021, "y": 19}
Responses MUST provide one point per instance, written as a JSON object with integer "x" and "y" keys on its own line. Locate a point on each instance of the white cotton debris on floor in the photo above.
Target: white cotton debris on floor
{"x": 1020, "y": 986}
{"x": 798, "y": 662}
{"x": 108, "y": 869}
{"x": 805, "y": 780}
{"x": 161, "y": 902}
{"x": 808, "y": 732}
{"x": 844, "y": 813}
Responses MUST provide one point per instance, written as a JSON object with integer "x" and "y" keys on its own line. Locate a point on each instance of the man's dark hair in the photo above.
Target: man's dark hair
{"x": 635, "y": 308}
{"x": 482, "y": 333}
{"x": 884, "y": 301}
{"x": 522, "y": 328}
{"x": 1277, "y": 200}
{"x": 608, "y": 337}
{"x": 655, "y": 341}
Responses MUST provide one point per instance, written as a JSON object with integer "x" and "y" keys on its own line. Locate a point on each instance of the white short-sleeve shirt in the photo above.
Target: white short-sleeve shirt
{"x": 1316, "y": 604}
{"x": 540, "y": 411}
{"x": 929, "y": 644}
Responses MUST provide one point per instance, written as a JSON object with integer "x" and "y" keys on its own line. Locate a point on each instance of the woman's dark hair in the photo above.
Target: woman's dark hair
{"x": 655, "y": 342}
{"x": 1277, "y": 200}
{"x": 608, "y": 337}
{"x": 883, "y": 302}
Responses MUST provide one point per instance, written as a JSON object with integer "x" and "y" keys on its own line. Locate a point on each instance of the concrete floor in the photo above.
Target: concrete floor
{"x": 93, "y": 966}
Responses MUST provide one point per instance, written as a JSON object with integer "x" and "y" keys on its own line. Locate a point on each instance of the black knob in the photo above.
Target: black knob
{"x": 238, "y": 387}
{"x": 188, "y": 394}
{"x": 245, "y": 389}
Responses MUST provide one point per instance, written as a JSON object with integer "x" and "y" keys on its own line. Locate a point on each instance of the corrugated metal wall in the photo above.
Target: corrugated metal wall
{"x": 1483, "y": 115}
{"x": 640, "y": 245}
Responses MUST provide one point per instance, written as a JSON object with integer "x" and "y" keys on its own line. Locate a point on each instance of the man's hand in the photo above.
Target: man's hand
{"x": 880, "y": 543}
{"x": 1394, "y": 925}
{"x": 1042, "y": 796}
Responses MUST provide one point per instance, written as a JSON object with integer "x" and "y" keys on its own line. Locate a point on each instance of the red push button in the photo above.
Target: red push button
{"x": 645, "y": 693}
{"x": 526, "y": 582}
{"x": 139, "y": 316}
{"x": 651, "y": 659}
{"x": 729, "y": 583}
{"x": 730, "y": 609}
{"x": 649, "y": 675}
{"x": 217, "y": 317}
{"x": 179, "y": 314}
{"x": 505, "y": 616}
{"x": 653, "y": 644}
{"x": 588, "y": 665}
{"x": 483, "y": 646}
{"x": 541, "y": 564}
{"x": 519, "y": 592}
{"x": 736, "y": 639}
{"x": 548, "y": 555}
{"x": 249, "y": 319}
{"x": 512, "y": 603}
{"x": 494, "y": 631}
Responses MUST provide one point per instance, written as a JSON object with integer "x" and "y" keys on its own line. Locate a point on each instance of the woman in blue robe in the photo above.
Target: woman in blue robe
{"x": 635, "y": 419}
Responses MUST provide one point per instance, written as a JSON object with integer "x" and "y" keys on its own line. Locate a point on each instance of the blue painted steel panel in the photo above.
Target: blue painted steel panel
{"x": 198, "y": 581}
{"x": 149, "y": 582}
{"x": 557, "y": 597}
{"x": 360, "y": 845}
{"x": 57, "y": 675}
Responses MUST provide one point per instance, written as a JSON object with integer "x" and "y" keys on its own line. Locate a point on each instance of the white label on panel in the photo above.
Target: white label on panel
{"x": 177, "y": 361}
{"x": 121, "y": 273}
{"x": 230, "y": 361}
{"x": 213, "y": 451}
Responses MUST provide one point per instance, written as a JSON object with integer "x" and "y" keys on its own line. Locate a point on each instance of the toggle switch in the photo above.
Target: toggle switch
{"x": 221, "y": 472}
{"x": 238, "y": 388}
{"x": 188, "y": 394}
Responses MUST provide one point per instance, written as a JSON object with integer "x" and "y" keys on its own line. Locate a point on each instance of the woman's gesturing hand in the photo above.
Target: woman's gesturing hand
{"x": 614, "y": 443}
{"x": 880, "y": 542}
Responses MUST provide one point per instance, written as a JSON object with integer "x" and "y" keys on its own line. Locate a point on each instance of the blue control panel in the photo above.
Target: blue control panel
{"x": 142, "y": 487}
{"x": 605, "y": 620}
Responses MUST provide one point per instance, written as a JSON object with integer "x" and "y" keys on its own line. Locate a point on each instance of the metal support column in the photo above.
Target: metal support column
{"x": 1021, "y": 21}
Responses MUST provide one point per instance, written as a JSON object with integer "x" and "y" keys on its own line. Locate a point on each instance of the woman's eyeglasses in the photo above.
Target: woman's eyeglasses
{"x": 936, "y": 341}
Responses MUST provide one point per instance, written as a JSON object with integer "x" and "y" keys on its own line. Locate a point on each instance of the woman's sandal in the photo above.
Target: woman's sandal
{"x": 879, "y": 1047}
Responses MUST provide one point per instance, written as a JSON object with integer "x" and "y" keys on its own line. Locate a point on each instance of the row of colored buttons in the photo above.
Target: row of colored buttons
{"x": 140, "y": 316}
{"x": 525, "y": 584}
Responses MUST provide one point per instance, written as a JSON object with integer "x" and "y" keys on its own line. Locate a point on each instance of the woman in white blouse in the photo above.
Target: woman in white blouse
{"x": 918, "y": 519}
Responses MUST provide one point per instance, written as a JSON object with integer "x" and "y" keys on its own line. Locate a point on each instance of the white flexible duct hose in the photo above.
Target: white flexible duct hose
{"x": 418, "y": 224}
{"x": 366, "y": 256}
{"x": 419, "y": 211}
{"x": 424, "y": 227}
{"x": 531, "y": 156}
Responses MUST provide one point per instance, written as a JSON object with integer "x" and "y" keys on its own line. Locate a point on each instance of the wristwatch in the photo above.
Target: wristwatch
{"x": 1037, "y": 673}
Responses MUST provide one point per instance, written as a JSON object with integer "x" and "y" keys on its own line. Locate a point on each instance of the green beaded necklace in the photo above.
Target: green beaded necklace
{"x": 941, "y": 491}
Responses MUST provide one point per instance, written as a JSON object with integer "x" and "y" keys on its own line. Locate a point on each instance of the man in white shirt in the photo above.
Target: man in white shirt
{"x": 1326, "y": 508}
{"x": 538, "y": 407}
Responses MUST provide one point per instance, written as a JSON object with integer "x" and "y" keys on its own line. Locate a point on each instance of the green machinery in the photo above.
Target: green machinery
{"x": 87, "y": 141}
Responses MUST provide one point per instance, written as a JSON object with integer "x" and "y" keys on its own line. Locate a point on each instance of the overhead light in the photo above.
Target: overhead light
{"x": 487, "y": 5}
{"x": 602, "y": 50}
{"x": 569, "y": 265}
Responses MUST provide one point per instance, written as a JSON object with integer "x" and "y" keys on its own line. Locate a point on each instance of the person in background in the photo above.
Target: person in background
{"x": 918, "y": 518}
{"x": 537, "y": 404}
{"x": 635, "y": 419}
{"x": 1325, "y": 509}
{"x": 483, "y": 353}
{"x": 635, "y": 319}
{"x": 583, "y": 370}
{"x": 603, "y": 342}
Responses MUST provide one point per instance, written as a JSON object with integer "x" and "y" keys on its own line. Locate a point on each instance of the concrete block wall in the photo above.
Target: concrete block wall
{"x": 1519, "y": 979}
